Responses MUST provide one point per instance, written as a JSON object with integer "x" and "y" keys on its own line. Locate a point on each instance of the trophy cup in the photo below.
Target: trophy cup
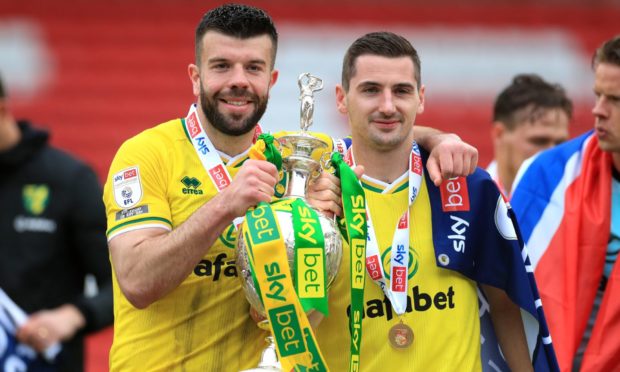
{"x": 300, "y": 167}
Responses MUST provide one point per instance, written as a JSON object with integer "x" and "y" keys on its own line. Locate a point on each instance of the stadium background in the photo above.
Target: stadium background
{"x": 97, "y": 72}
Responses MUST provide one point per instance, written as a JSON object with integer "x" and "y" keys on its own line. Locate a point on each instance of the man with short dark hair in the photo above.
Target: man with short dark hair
{"x": 172, "y": 194}
{"x": 428, "y": 247}
{"x": 529, "y": 115}
{"x": 567, "y": 200}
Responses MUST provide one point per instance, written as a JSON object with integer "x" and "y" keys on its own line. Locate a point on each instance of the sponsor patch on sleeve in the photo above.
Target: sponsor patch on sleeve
{"x": 126, "y": 213}
{"x": 127, "y": 187}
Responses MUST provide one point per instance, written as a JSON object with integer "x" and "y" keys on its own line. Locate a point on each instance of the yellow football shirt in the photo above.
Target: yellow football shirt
{"x": 157, "y": 180}
{"x": 442, "y": 305}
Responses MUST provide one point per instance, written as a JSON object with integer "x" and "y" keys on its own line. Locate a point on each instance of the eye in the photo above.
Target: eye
{"x": 254, "y": 68}
{"x": 370, "y": 90}
{"x": 539, "y": 141}
{"x": 220, "y": 66}
{"x": 403, "y": 91}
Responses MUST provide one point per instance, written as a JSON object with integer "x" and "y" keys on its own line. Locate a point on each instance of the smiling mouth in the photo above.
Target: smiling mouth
{"x": 236, "y": 102}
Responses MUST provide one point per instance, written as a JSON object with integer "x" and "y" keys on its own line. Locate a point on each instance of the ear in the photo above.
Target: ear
{"x": 194, "y": 76}
{"x": 341, "y": 99}
{"x": 497, "y": 131}
{"x": 422, "y": 99}
{"x": 274, "y": 78}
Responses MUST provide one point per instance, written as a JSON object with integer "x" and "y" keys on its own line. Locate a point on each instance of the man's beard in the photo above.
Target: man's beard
{"x": 233, "y": 125}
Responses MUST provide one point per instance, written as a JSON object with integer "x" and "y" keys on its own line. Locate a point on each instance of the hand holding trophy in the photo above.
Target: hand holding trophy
{"x": 288, "y": 253}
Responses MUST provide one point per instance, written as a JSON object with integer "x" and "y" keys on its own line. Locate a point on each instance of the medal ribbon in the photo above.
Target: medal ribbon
{"x": 399, "y": 257}
{"x": 208, "y": 155}
{"x": 289, "y": 325}
{"x": 311, "y": 283}
{"x": 354, "y": 207}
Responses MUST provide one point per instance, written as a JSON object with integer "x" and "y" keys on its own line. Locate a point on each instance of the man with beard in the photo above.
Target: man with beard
{"x": 172, "y": 194}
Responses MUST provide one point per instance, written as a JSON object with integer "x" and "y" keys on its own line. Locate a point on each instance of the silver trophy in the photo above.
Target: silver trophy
{"x": 300, "y": 168}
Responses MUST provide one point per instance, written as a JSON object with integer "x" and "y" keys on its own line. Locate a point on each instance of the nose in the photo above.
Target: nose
{"x": 387, "y": 106}
{"x": 600, "y": 108}
{"x": 238, "y": 78}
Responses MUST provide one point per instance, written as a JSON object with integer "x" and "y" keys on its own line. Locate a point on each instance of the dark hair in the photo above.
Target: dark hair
{"x": 609, "y": 52}
{"x": 238, "y": 20}
{"x": 2, "y": 93}
{"x": 527, "y": 97}
{"x": 384, "y": 44}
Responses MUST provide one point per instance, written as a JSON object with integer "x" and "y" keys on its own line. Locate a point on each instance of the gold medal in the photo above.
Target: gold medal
{"x": 400, "y": 336}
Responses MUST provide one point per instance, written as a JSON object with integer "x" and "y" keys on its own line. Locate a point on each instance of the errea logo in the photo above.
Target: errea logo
{"x": 191, "y": 186}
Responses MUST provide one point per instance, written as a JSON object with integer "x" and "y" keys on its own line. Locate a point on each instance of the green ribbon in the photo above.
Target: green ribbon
{"x": 273, "y": 155}
{"x": 310, "y": 275}
{"x": 354, "y": 207}
{"x": 271, "y": 151}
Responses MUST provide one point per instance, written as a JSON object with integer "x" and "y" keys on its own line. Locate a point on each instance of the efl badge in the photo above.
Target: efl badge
{"x": 127, "y": 187}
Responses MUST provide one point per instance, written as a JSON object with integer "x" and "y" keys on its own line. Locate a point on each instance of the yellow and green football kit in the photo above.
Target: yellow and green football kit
{"x": 156, "y": 180}
{"x": 442, "y": 307}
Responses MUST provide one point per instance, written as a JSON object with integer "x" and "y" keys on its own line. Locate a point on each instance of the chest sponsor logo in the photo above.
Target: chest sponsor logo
{"x": 35, "y": 198}
{"x": 222, "y": 265}
{"x": 418, "y": 301}
{"x": 454, "y": 195}
{"x": 191, "y": 186}
{"x": 127, "y": 187}
{"x": 132, "y": 212}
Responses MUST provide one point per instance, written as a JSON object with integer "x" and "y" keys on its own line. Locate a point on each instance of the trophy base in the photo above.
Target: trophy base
{"x": 268, "y": 359}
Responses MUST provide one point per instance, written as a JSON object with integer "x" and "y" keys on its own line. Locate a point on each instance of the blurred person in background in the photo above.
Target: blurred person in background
{"x": 52, "y": 229}
{"x": 567, "y": 201}
{"x": 529, "y": 115}
{"x": 173, "y": 192}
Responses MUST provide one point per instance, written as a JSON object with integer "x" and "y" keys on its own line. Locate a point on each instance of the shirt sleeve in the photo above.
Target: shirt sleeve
{"x": 135, "y": 193}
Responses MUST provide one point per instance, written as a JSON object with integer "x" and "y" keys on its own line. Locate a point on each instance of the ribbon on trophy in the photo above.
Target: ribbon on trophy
{"x": 355, "y": 231}
{"x": 289, "y": 324}
{"x": 311, "y": 279}
{"x": 264, "y": 148}
{"x": 311, "y": 283}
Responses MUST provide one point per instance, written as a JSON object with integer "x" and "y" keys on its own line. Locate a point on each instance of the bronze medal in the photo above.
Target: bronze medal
{"x": 400, "y": 336}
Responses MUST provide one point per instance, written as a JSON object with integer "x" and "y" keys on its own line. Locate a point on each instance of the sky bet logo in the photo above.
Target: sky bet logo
{"x": 191, "y": 186}
{"x": 454, "y": 195}
{"x": 414, "y": 263}
{"x": 192, "y": 125}
{"x": 418, "y": 301}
